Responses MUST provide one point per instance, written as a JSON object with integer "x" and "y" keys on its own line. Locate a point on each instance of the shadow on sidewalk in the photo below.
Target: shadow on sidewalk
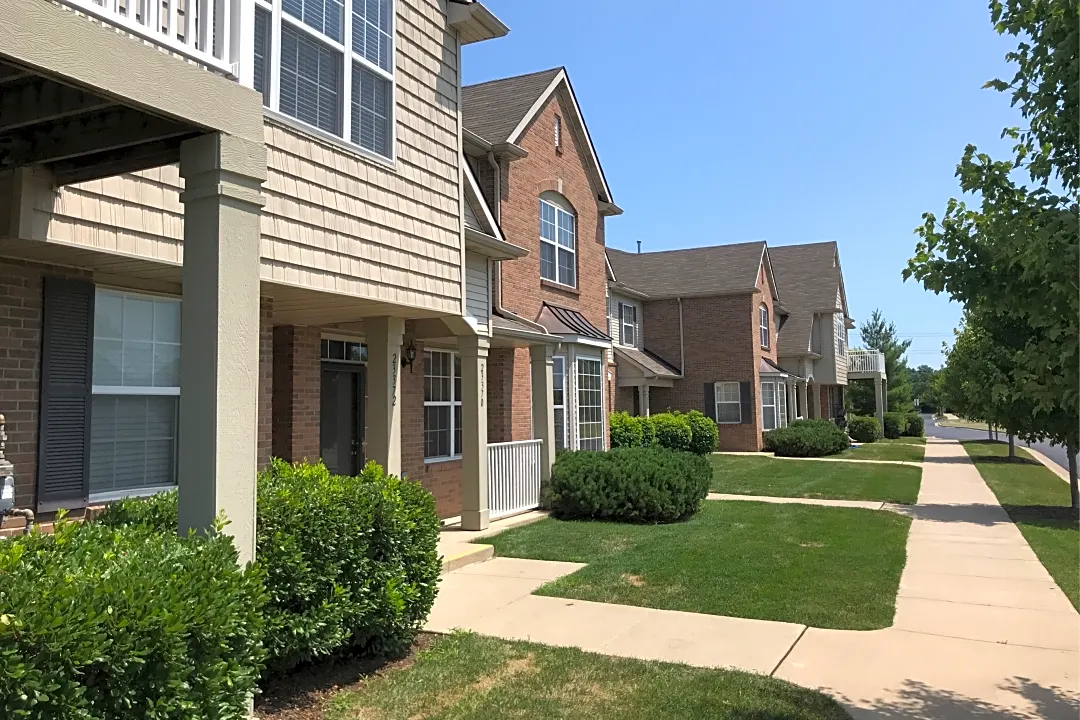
{"x": 984, "y": 515}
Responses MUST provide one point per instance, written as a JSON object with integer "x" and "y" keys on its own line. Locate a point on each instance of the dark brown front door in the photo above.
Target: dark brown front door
{"x": 341, "y": 417}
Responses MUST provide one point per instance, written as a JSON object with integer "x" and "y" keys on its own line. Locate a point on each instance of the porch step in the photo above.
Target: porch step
{"x": 462, "y": 554}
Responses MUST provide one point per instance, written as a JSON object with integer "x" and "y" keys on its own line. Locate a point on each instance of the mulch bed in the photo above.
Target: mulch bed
{"x": 301, "y": 695}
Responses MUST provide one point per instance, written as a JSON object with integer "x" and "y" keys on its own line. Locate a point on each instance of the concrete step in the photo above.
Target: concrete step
{"x": 460, "y": 555}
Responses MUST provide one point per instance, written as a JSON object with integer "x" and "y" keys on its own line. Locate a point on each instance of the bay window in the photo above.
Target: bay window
{"x": 442, "y": 405}
{"x": 773, "y": 404}
{"x": 558, "y": 399}
{"x": 558, "y": 244}
{"x": 329, "y": 64}
{"x": 590, "y": 409}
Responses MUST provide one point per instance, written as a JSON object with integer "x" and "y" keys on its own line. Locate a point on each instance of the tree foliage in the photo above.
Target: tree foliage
{"x": 922, "y": 387}
{"x": 878, "y": 334}
{"x": 1013, "y": 257}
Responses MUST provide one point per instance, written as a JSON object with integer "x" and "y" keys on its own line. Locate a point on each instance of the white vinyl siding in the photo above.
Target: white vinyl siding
{"x": 477, "y": 290}
{"x": 136, "y": 392}
{"x": 558, "y": 243}
{"x": 442, "y": 405}
{"x": 558, "y": 400}
{"x": 728, "y": 403}
{"x": 590, "y": 403}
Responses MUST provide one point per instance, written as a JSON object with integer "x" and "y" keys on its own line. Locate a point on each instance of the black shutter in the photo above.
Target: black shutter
{"x": 745, "y": 400}
{"x": 710, "y": 401}
{"x": 66, "y": 388}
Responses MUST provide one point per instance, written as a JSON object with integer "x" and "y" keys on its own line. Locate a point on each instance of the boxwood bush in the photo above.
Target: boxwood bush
{"x": 895, "y": 424}
{"x": 915, "y": 426}
{"x": 626, "y": 430}
{"x": 672, "y": 430}
{"x": 349, "y": 562}
{"x": 629, "y": 485}
{"x": 704, "y": 435}
{"x": 127, "y": 622}
{"x": 807, "y": 438}
{"x": 863, "y": 429}
{"x": 692, "y": 431}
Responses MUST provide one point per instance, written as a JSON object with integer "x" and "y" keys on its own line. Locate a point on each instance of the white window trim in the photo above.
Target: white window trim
{"x": 454, "y": 401}
{"x": 577, "y": 400}
{"x": 562, "y": 406}
{"x": 763, "y": 326}
{"x": 839, "y": 328}
{"x": 633, "y": 324}
{"x": 775, "y": 406}
{"x": 558, "y": 247}
{"x": 348, "y": 57}
{"x": 718, "y": 394}
{"x": 782, "y": 403}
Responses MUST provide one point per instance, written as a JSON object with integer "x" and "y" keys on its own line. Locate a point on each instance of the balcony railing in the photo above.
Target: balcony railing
{"x": 206, "y": 31}
{"x": 513, "y": 477}
{"x": 869, "y": 362}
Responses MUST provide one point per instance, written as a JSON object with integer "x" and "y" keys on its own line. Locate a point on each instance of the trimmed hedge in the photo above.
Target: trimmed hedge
{"x": 350, "y": 563}
{"x": 692, "y": 431}
{"x": 126, "y": 622}
{"x": 704, "y": 434}
{"x": 626, "y": 430}
{"x": 863, "y": 429}
{"x": 895, "y": 424}
{"x": 672, "y": 431}
{"x": 807, "y": 438}
{"x": 915, "y": 427}
{"x": 639, "y": 485}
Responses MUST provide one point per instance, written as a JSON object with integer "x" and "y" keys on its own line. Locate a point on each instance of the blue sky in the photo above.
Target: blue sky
{"x": 791, "y": 122}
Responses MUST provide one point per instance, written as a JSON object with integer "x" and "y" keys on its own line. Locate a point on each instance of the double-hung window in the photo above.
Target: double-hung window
{"x": 558, "y": 399}
{"x": 728, "y": 403}
{"x": 558, "y": 244}
{"x": 136, "y": 393}
{"x": 763, "y": 325}
{"x": 627, "y": 324}
{"x": 590, "y": 409}
{"x": 841, "y": 334}
{"x": 768, "y": 405}
{"x": 442, "y": 405}
{"x": 333, "y": 69}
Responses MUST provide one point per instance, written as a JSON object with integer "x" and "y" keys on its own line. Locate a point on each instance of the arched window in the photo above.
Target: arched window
{"x": 763, "y": 313}
{"x": 558, "y": 240}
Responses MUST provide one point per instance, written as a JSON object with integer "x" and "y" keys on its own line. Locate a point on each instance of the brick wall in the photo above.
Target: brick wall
{"x": 509, "y": 395}
{"x": 295, "y": 396}
{"x": 266, "y": 382}
{"x": 624, "y": 399}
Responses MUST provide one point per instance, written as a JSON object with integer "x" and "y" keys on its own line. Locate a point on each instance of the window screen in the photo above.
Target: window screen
{"x": 310, "y": 81}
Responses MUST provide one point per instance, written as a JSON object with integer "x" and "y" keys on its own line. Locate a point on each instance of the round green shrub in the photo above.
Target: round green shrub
{"x": 672, "y": 431}
{"x": 642, "y": 485}
{"x": 807, "y": 438}
{"x": 350, "y": 563}
{"x": 127, "y": 622}
{"x": 704, "y": 435}
{"x": 863, "y": 429}
{"x": 648, "y": 432}
{"x": 626, "y": 430}
{"x": 915, "y": 425}
{"x": 895, "y": 424}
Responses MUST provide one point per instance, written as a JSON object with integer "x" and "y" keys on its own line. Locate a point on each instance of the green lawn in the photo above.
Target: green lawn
{"x": 749, "y": 475}
{"x": 821, "y": 566}
{"x": 1037, "y": 500}
{"x": 467, "y": 676}
{"x": 904, "y": 448}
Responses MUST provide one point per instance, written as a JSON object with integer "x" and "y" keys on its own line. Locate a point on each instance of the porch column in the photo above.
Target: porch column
{"x": 643, "y": 399}
{"x": 543, "y": 409}
{"x": 383, "y": 336}
{"x": 474, "y": 435}
{"x": 792, "y": 411}
{"x": 802, "y": 399}
{"x": 879, "y": 404}
{"x": 219, "y": 357}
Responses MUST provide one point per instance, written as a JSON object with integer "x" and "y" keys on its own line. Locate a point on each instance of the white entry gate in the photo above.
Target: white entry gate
{"x": 513, "y": 477}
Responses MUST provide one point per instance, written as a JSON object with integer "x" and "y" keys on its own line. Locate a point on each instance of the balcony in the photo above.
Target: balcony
{"x": 866, "y": 364}
{"x": 205, "y": 31}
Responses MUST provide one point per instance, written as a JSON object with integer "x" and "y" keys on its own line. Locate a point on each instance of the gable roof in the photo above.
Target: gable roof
{"x": 811, "y": 278}
{"x": 499, "y": 111}
{"x": 715, "y": 270}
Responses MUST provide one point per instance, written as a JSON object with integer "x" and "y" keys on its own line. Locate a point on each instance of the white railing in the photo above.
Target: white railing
{"x": 513, "y": 477}
{"x": 866, "y": 361}
{"x": 200, "y": 30}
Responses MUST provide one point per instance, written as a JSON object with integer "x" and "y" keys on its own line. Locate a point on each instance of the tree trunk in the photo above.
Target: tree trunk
{"x": 1074, "y": 490}
{"x": 990, "y": 430}
{"x": 1012, "y": 447}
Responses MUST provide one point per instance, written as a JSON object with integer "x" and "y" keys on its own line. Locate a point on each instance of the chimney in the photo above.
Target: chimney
{"x": 638, "y": 247}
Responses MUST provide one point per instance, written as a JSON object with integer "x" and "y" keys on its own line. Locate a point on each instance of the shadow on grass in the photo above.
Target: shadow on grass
{"x": 918, "y": 700}
{"x": 1055, "y": 516}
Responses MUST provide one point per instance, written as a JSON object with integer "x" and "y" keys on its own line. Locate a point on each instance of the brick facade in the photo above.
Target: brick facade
{"x": 509, "y": 395}
{"x": 296, "y": 383}
{"x": 264, "y": 444}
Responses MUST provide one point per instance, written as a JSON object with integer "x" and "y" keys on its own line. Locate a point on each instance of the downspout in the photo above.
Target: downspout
{"x": 682, "y": 346}
{"x": 496, "y": 166}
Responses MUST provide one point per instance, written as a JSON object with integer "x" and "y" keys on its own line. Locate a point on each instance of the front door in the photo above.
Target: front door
{"x": 341, "y": 417}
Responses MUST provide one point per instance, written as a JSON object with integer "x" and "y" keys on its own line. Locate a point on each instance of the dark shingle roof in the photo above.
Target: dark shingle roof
{"x": 809, "y": 278}
{"x": 717, "y": 270}
{"x": 650, "y": 362}
{"x": 493, "y": 109}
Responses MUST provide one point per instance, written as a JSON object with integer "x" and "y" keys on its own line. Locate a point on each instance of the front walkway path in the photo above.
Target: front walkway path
{"x": 864, "y": 504}
{"x": 742, "y": 453}
{"x": 981, "y": 630}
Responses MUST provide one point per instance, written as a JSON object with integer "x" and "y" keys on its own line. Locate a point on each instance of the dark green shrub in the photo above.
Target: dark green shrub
{"x": 863, "y": 429}
{"x": 704, "y": 435}
{"x": 806, "y": 438}
{"x": 895, "y": 424}
{"x": 915, "y": 426}
{"x": 127, "y": 622}
{"x": 648, "y": 432}
{"x": 350, "y": 563}
{"x": 629, "y": 484}
{"x": 672, "y": 430}
{"x": 626, "y": 430}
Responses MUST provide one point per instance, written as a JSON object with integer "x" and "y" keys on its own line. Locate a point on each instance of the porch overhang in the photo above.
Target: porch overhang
{"x": 492, "y": 247}
{"x": 637, "y": 367}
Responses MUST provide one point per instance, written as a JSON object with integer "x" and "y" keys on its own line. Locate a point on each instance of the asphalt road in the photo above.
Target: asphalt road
{"x": 1054, "y": 452}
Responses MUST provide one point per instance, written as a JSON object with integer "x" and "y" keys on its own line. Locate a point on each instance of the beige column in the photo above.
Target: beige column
{"x": 219, "y": 357}
{"x": 543, "y": 409}
{"x": 817, "y": 401}
{"x": 474, "y": 466}
{"x": 383, "y": 336}
{"x": 879, "y": 404}
{"x": 643, "y": 400}
{"x": 802, "y": 399}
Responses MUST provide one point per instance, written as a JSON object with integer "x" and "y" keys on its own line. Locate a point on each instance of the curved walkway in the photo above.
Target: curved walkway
{"x": 981, "y": 630}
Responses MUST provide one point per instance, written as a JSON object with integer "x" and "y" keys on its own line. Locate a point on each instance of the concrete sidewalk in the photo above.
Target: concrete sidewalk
{"x": 864, "y": 504}
{"x": 981, "y": 630}
{"x": 743, "y": 453}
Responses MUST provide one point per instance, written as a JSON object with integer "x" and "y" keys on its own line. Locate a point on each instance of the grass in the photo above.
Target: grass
{"x": 467, "y": 676}
{"x": 748, "y": 475}
{"x": 820, "y": 566}
{"x": 904, "y": 448}
{"x": 1038, "y": 501}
